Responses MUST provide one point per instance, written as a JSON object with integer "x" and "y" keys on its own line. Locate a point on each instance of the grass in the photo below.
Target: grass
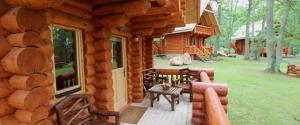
{"x": 255, "y": 97}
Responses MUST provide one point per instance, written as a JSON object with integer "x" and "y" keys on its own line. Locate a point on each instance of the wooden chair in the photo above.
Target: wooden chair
{"x": 151, "y": 78}
{"x": 185, "y": 81}
{"x": 77, "y": 110}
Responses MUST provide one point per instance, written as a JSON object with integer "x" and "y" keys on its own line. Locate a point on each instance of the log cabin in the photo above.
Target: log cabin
{"x": 191, "y": 37}
{"x": 50, "y": 49}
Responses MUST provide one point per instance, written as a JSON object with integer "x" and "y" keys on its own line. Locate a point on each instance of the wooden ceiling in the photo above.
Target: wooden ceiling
{"x": 143, "y": 17}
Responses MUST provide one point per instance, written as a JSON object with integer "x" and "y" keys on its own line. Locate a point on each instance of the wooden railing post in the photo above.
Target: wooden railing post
{"x": 216, "y": 115}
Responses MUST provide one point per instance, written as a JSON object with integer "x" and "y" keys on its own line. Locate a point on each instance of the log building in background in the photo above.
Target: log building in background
{"x": 202, "y": 24}
{"x": 104, "y": 30}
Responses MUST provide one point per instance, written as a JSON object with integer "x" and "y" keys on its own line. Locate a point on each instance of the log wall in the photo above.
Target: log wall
{"x": 148, "y": 61}
{"x": 26, "y": 79}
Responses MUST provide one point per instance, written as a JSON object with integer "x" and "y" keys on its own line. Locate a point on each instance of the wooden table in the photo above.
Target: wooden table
{"x": 173, "y": 92}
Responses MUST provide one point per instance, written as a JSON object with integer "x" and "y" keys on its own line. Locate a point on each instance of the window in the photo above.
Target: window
{"x": 68, "y": 58}
{"x": 117, "y": 53}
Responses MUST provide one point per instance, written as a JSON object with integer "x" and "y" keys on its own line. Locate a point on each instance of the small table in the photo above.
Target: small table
{"x": 174, "y": 92}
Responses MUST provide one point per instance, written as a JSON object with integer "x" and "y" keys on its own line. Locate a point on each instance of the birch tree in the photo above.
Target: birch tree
{"x": 247, "y": 50}
{"x": 270, "y": 36}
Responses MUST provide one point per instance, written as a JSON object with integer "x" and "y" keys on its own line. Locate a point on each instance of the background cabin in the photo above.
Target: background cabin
{"x": 191, "y": 37}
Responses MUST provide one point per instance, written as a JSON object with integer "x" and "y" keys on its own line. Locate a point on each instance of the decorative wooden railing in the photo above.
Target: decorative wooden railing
{"x": 293, "y": 70}
{"x": 205, "y": 30}
{"x": 202, "y": 52}
{"x": 157, "y": 48}
{"x": 209, "y": 102}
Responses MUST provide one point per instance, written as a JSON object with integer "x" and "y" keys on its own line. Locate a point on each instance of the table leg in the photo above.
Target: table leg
{"x": 178, "y": 99}
{"x": 151, "y": 98}
{"x": 173, "y": 102}
{"x": 158, "y": 95}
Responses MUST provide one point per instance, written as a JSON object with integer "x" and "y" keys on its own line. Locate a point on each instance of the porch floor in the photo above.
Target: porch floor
{"x": 161, "y": 114}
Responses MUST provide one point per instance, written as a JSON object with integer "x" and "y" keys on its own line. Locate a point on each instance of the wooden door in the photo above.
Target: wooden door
{"x": 119, "y": 72}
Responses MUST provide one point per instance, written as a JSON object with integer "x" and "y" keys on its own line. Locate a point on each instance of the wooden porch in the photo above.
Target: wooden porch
{"x": 160, "y": 113}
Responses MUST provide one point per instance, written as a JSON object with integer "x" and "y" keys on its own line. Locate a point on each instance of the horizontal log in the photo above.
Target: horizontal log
{"x": 103, "y": 83}
{"x": 198, "y": 113}
{"x": 130, "y": 8}
{"x": 150, "y": 24}
{"x": 84, "y": 5}
{"x": 5, "y": 88}
{"x": 25, "y": 39}
{"x": 90, "y": 70}
{"x": 102, "y": 67}
{"x": 200, "y": 87}
{"x": 89, "y": 59}
{"x": 74, "y": 11}
{"x": 101, "y": 105}
{"x": 5, "y": 108}
{"x": 90, "y": 80}
{"x": 90, "y": 49}
{"x": 61, "y": 18}
{"x": 101, "y": 45}
{"x": 107, "y": 75}
{"x": 143, "y": 32}
{"x": 160, "y": 2}
{"x": 198, "y": 121}
{"x": 198, "y": 106}
{"x": 48, "y": 50}
{"x": 88, "y": 37}
{"x": 3, "y": 73}
{"x": 26, "y": 82}
{"x": 4, "y": 7}
{"x": 104, "y": 95}
{"x": 114, "y": 20}
{"x": 29, "y": 100}
{"x": 20, "y": 61}
{"x": 170, "y": 7}
{"x": 140, "y": 19}
{"x": 103, "y": 56}
{"x": 9, "y": 120}
{"x": 215, "y": 112}
{"x": 45, "y": 122}
{"x": 102, "y": 33}
{"x": 32, "y": 117}
{"x": 198, "y": 97}
{"x": 91, "y": 89}
{"x": 5, "y": 47}
{"x": 22, "y": 19}
{"x": 3, "y": 32}
{"x": 163, "y": 30}
{"x": 36, "y": 4}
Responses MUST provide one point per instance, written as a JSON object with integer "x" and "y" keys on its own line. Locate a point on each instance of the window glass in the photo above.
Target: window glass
{"x": 117, "y": 53}
{"x": 66, "y": 61}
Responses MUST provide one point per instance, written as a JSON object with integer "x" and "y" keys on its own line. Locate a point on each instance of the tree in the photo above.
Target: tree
{"x": 217, "y": 42}
{"x": 247, "y": 53}
{"x": 281, "y": 35}
{"x": 270, "y": 35}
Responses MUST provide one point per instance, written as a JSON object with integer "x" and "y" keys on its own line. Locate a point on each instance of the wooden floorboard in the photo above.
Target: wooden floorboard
{"x": 161, "y": 114}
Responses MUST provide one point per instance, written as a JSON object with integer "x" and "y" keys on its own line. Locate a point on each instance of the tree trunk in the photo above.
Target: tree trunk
{"x": 281, "y": 35}
{"x": 270, "y": 35}
{"x": 247, "y": 53}
{"x": 217, "y": 42}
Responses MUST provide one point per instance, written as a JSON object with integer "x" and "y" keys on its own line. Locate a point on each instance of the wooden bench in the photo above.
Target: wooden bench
{"x": 77, "y": 110}
{"x": 293, "y": 70}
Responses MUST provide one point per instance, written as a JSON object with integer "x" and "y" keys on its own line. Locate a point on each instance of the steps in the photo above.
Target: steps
{"x": 201, "y": 52}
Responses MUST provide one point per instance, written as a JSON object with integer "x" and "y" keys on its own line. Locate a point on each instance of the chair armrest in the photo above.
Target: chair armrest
{"x": 106, "y": 113}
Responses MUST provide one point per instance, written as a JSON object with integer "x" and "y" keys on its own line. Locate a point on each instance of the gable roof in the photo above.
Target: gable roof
{"x": 241, "y": 32}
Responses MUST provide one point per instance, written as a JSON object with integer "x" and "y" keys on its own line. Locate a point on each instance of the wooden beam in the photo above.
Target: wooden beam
{"x": 209, "y": 11}
{"x": 85, "y": 5}
{"x": 72, "y": 10}
{"x": 143, "y": 32}
{"x": 131, "y": 8}
{"x": 157, "y": 35}
{"x": 150, "y": 18}
{"x": 102, "y": 2}
{"x": 163, "y": 30}
{"x": 160, "y": 2}
{"x": 115, "y": 20}
{"x": 150, "y": 24}
{"x": 170, "y": 7}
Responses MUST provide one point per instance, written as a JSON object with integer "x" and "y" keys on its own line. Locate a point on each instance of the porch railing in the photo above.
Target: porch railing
{"x": 202, "y": 52}
{"x": 205, "y": 30}
{"x": 209, "y": 102}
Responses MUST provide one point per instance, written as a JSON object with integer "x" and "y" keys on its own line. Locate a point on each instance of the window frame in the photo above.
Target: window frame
{"x": 80, "y": 88}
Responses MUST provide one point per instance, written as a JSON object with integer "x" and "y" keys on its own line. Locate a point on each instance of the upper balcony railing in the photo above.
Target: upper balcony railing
{"x": 205, "y": 30}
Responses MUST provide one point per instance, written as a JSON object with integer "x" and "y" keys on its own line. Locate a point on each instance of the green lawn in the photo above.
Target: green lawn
{"x": 255, "y": 97}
